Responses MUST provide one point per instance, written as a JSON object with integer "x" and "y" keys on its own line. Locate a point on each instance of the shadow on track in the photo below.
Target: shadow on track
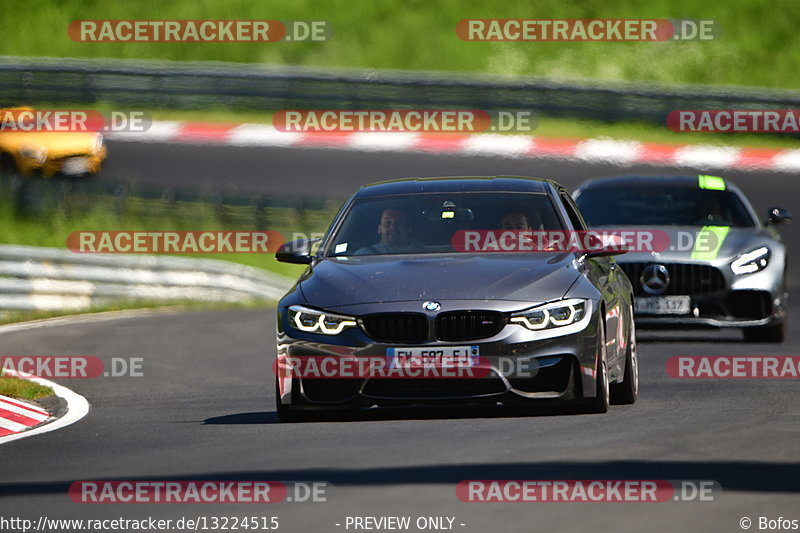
{"x": 688, "y": 336}
{"x": 731, "y": 475}
{"x": 409, "y": 413}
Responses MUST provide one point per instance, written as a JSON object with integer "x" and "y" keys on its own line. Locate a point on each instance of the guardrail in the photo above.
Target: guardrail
{"x": 154, "y": 84}
{"x": 53, "y": 278}
{"x": 38, "y": 278}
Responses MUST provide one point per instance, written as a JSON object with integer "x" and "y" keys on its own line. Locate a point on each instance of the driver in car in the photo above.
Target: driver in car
{"x": 394, "y": 230}
{"x": 712, "y": 213}
{"x": 515, "y": 220}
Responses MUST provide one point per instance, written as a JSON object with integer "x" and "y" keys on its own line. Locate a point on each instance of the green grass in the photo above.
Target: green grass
{"x": 23, "y": 389}
{"x": 759, "y": 42}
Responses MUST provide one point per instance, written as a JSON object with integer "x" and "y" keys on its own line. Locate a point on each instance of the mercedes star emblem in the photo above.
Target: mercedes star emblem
{"x": 655, "y": 279}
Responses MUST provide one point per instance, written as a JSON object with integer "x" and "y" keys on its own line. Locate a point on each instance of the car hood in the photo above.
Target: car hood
{"x": 696, "y": 243}
{"x": 336, "y": 282}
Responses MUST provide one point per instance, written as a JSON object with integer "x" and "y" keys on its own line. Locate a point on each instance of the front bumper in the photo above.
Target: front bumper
{"x": 77, "y": 165}
{"x": 732, "y": 309}
{"x": 514, "y": 368}
{"x": 750, "y": 300}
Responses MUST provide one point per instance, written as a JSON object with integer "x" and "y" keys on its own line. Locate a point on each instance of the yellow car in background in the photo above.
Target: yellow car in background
{"x": 72, "y": 153}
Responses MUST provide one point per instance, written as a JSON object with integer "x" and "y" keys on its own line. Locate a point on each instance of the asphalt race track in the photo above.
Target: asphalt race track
{"x": 204, "y": 409}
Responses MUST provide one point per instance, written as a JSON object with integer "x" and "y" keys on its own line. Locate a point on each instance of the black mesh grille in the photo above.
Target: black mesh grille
{"x": 684, "y": 278}
{"x": 468, "y": 325}
{"x": 396, "y": 327}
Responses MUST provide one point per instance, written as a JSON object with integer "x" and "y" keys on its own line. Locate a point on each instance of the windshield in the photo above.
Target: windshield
{"x": 426, "y": 223}
{"x": 662, "y": 205}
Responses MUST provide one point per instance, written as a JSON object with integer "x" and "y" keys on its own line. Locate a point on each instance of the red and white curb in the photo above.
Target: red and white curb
{"x": 77, "y": 405}
{"x": 600, "y": 150}
{"x": 22, "y": 425}
{"x": 17, "y": 416}
{"x": 77, "y": 408}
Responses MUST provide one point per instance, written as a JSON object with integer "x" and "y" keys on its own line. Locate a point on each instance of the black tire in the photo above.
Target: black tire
{"x": 7, "y": 164}
{"x": 625, "y": 393}
{"x": 774, "y": 333}
{"x": 599, "y": 404}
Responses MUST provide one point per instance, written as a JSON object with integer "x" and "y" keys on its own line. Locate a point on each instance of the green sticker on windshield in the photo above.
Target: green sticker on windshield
{"x": 708, "y": 242}
{"x": 712, "y": 183}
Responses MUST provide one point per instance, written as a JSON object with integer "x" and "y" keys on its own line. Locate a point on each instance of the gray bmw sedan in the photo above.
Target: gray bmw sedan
{"x": 420, "y": 293}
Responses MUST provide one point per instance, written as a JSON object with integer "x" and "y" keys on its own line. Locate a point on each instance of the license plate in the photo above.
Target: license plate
{"x": 440, "y": 356}
{"x": 75, "y": 165}
{"x": 663, "y": 305}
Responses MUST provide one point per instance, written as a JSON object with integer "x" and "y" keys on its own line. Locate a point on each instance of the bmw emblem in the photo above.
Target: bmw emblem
{"x": 431, "y": 306}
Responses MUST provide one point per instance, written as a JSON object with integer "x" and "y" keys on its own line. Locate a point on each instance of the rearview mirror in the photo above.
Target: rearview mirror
{"x": 609, "y": 245}
{"x": 298, "y": 251}
{"x": 778, "y": 215}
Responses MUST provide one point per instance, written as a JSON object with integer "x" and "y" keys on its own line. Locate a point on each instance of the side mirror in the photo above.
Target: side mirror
{"x": 778, "y": 215}
{"x": 607, "y": 245}
{"x": 298, "y": 251}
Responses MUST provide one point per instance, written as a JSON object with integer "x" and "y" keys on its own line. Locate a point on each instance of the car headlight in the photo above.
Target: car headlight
{"x": 38, "y": 154}
{"x": 750, "y": 262}
{"x": 553, "y": 315}
{"x": 97, "y": 142}
{"x": 314, "y": 321}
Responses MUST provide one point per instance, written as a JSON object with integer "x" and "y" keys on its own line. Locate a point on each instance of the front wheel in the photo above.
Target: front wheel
{"x": 286, "y": 413}
{"x": 7, "y": 164}
{"x": 627, "y": 391}
{"x": 773, "y": 333}
{"x": 599, "y": 404}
